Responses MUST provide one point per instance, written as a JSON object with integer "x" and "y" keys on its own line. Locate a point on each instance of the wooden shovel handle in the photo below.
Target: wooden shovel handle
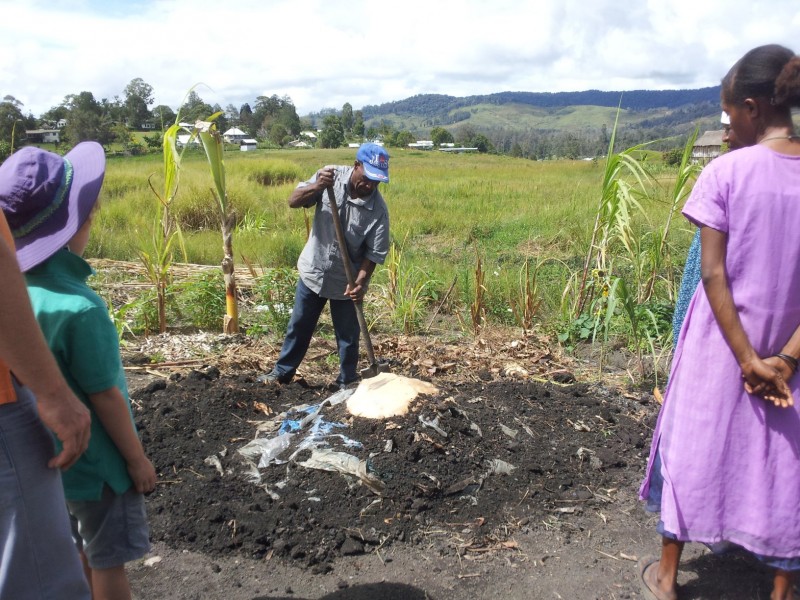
{"x": 351, "y": 280}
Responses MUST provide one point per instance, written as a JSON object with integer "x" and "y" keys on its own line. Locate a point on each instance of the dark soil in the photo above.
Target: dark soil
{"x": 440, "y": 523}
{"x": 571, "y": 449}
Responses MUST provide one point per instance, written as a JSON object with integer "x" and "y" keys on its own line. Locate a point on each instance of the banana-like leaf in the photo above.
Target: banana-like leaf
{"x": 172, "y": 160}
{"x": 213, "y": 145}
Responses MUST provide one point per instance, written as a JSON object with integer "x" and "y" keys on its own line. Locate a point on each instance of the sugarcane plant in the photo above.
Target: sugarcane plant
{"x": 687, "y": 173}
{"x": 618, "y": 200}
{"x": 213, "y": 144}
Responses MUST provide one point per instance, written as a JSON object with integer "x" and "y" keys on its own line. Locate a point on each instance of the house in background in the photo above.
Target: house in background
{"x": 248, "y": 144}
{"x": 43, "y": 136}
{"x": 309, "y": 134}
{"x": 185, "y": 139}
{"x": 234, "y": 135}
{"x": 707, "y": 147}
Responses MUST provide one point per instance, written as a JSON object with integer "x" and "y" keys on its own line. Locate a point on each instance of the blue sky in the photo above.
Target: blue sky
{"x": 323, "y": 53}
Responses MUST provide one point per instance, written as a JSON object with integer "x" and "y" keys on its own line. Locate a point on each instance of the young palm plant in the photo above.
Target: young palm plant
{"x": 213, "y": 144}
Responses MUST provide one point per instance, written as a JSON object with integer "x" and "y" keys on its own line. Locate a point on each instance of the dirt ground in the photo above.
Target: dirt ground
{"x": 518, "y": 479}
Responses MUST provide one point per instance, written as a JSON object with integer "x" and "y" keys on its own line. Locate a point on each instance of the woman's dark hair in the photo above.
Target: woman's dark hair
{"x": 770, "y": 71}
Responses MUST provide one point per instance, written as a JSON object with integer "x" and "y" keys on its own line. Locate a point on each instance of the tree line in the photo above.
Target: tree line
{"x": 273, "y": 121}
{"x": 81, "y": 117}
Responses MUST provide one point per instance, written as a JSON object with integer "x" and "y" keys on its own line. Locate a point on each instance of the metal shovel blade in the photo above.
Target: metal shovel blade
{"x": 374, "y": 369}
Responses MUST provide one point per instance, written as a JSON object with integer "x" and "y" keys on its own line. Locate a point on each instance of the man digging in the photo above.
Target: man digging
{"x": 365, "y": 220}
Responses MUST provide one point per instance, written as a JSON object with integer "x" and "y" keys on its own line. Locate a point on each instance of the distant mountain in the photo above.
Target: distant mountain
{"x": 636, "y": 100}
{"x": 559, "y": 124}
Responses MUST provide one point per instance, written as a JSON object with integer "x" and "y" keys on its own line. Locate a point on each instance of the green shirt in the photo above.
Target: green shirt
{"x": 80, "y": 334}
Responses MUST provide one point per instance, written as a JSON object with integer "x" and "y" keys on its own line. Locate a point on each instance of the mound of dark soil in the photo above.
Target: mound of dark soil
{"x": 468, "y": 467}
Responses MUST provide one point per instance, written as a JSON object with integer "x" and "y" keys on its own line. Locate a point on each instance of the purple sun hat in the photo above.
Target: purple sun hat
{"x": 46, "y": 198}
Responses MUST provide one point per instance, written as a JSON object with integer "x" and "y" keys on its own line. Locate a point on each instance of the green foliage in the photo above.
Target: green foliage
{"x": 138, "y": 317}
{"x": 87, "y": 120}
{"x": 440, "y": 135}
{"x": 278, "y": 135}
{"x": 471, "y": 139}
{"x": 444, "y": 207}
{"x": 626, "y": 262}
{"x": 347, "y": 117}
{"x": 402, "y": 139}
{"x": 154, "y": 141}
{"x": 194, "y": 108}
{"x": 138, "y": 97}
{"x": 672, "y": 157}
{"x": 157, "y": 259}
{"x": 274, "y": 172}
{"x": 405, "y": 295}
{"x": 332, "y": 135}
{"x": 10, "y": 116}
{"x": 196, "y": 303}
{"x": 582, "y": 329}
{"x": 273, "y": 296}
{"x": 477, "y": 308}
{"x": 358, "y": 125}
{"x": 200, "y": 301}
{"x": 272, "y": 110}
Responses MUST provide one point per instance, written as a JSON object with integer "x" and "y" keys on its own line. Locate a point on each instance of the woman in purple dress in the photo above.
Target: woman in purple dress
{"x": 724, "y": 464}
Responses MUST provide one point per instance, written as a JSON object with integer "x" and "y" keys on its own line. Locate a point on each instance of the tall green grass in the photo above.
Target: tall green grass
{"x": 445, "y": 209}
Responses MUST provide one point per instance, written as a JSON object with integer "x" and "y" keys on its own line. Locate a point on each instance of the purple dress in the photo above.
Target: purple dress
{"x": 730, "y": 462}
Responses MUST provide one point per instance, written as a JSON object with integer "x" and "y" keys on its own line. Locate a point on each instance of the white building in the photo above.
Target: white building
{"x": 234, "y": 135}
{"x": 183, "y": 139}
{"x": 46, "y": 136}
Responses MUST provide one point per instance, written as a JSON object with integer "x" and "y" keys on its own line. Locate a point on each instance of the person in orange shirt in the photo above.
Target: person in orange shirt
{"x": 38, "y": 559}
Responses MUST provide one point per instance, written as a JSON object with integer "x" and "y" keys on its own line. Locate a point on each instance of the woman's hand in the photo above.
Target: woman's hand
{"x": 767, "y": 378}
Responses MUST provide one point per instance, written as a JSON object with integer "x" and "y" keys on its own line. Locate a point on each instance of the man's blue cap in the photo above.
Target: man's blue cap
{"x": 375, "y": 160}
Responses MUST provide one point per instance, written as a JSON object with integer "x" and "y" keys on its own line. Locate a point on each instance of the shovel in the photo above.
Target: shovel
{"x": 374, "y": 367}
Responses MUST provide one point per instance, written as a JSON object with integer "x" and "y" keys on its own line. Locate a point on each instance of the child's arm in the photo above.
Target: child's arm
{"x": 112, "y": 410}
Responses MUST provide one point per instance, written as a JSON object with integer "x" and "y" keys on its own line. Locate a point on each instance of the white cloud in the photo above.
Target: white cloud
{"x": 325, "y": 53}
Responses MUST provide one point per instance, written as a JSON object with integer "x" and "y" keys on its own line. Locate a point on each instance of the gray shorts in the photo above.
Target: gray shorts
{"x": 111, "y": 531}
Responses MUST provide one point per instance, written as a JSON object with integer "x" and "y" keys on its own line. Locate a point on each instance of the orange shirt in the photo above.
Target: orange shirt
{"x": 7, "y": 393}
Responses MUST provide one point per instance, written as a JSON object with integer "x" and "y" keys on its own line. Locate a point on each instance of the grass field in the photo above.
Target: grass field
{"x": 447, "y": 211}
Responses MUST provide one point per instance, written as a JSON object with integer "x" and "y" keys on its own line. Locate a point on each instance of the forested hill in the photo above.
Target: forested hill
{"x": 439, "y": 105}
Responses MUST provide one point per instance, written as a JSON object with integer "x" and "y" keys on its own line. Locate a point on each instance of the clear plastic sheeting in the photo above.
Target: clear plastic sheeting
{"x": 305, "y": 428}
{"x": 347, "y": 464}
{"x": 266, "y": 450}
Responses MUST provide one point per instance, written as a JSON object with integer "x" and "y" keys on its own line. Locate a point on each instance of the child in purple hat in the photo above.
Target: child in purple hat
{"x": 48, "y": 201}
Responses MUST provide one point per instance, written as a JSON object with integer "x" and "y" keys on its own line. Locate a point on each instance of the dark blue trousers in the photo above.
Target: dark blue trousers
{"x": 307, "y": 308}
